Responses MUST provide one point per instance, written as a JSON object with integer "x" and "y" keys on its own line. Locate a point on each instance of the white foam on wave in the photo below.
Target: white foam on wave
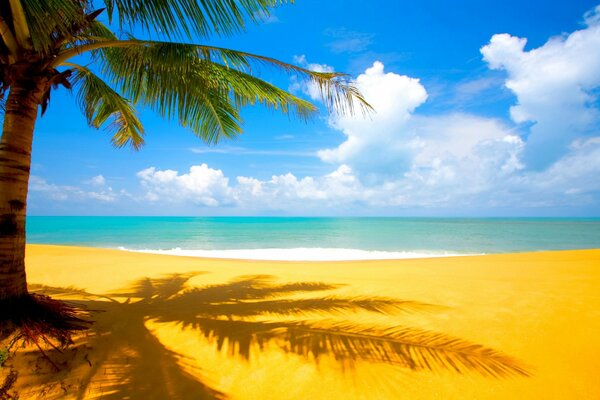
{"x": 302, "y": 254}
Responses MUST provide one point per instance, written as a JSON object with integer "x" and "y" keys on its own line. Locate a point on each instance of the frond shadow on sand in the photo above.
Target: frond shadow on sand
{"x": 120, "y": 355}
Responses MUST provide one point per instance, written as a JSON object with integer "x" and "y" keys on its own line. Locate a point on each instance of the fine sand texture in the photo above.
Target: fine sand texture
{"x": 513, "y": 326}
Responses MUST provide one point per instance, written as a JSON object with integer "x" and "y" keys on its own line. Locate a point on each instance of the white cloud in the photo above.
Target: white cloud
{"x": 54, "y": 192}
{"x": 97, "y": 180}
{"x": 397, "y": 144}
{"x": 592, "y": 17}
{"x": 201, "y": 185}
{"x": 378, "y": 141}
{"x": 554, "y": 87}
{"x": 340, "y": 186}
{"x": 205, "y": 186}
{"x": 39, "y": 186}
{"x": 575, "y": 173}
{"x": 452, "y": 136}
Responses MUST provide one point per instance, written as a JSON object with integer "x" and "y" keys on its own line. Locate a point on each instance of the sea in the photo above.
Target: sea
{"x": 317, "y": 239}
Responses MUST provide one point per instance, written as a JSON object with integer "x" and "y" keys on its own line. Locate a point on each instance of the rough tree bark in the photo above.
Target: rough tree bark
{"x": 15, "y": 162}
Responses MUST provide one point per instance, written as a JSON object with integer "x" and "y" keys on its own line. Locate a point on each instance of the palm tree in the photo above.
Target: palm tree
{"x": 45, "y": 44}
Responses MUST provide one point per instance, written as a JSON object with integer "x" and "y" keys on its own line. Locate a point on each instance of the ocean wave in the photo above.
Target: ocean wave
{"x": 302, "y": 254}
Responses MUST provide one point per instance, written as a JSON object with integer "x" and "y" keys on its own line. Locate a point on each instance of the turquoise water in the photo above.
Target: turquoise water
{"x": 419, "y": 235}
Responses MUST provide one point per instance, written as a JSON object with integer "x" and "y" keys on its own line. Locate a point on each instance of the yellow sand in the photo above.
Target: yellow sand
{"x": 543, "y": 309}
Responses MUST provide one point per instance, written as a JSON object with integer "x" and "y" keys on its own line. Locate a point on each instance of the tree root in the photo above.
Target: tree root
{"x": 39, "y": 320}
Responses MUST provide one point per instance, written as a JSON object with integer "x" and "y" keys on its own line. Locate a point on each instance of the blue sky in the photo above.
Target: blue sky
{"x": 482, "y": 109}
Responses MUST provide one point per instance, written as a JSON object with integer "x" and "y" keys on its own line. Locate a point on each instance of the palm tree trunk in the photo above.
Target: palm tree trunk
{"x": 15, "y": 161}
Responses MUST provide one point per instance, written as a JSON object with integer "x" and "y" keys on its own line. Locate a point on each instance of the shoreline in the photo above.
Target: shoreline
{"x": 301, "y": 254}
{"x": 308, "y": 254}
{"x": 540, "y": 309}
{"x": 315, "y": 254}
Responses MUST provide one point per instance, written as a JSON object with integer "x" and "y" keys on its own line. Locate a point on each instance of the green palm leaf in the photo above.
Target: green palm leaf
{"x": 338, "y": 93}
{"x": 100, "y": 103}
{"x": 45, "y": 23}
{"x": 249, "y": 90}
{"x": 95, "y": 31}
{"x": 174, "y": 18}
{"x": 203, "y": 87}
{"x": 169, "y": 79}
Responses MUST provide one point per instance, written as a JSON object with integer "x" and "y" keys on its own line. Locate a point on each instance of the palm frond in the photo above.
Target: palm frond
{"x": 249, "y": 90}
{"x": 47, "y": 20}
{"x": 176, "y": 18}
{"x": 339, "y": 94}
{"x": 169, "y": 79}
{"x": 20, "y": 24}
{"x": 8, "y": 40}
{"x": 100, "y": 103}
{"x": 97, "y": 31}
{"x": 203, "y": 87}
{"x": 84, "y": 31}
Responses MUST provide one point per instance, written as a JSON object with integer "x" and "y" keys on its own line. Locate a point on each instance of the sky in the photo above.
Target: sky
{"x": 481, "y": 109}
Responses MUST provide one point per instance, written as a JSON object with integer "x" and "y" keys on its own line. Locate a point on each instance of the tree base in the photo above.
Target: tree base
{"x": 35, "y": 319}
{"x": 38, "y": 320}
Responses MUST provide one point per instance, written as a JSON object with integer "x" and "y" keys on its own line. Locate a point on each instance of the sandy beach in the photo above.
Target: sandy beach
{"x": 188, "y": 328}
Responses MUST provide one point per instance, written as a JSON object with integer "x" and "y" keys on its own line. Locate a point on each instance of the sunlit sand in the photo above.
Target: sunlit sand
{"x": 516, "y": 326}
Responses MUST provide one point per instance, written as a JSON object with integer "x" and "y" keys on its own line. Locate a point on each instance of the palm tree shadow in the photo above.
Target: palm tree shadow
{"x": 130, "y": 362}
{"x": 119, "y": 357}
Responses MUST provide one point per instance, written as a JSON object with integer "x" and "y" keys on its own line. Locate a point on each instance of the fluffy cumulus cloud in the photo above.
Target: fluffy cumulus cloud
{"x": 201, "y": 185}
{"x": 459, "y": 154}
{"x": 209, "y": 187}
{"x": 394, "y": 97}
{"x": 572, "y": 180}
{"x": 397, "y": 145}
{"x": 554, "y": 85}
{"x": 279, "y": 192}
